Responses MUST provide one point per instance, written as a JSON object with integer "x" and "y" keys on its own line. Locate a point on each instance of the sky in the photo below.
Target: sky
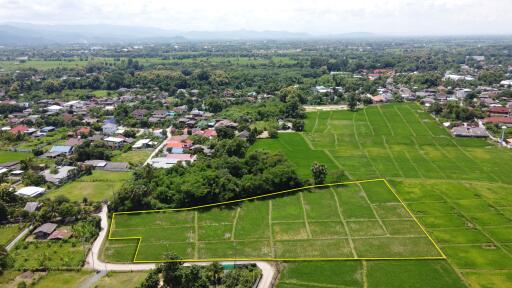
{"x": 318, "y": 17}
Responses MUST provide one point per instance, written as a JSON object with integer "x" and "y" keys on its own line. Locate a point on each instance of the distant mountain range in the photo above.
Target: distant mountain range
{"x": 31, "y": 34}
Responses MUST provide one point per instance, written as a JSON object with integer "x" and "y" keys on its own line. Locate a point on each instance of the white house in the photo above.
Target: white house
{"x": 30, "y": 191}
{"x": 506, "y": 83}
{"x": 114, "y": 142}
{"x": 54, "y": 108}
{"x": 171, "y": 160}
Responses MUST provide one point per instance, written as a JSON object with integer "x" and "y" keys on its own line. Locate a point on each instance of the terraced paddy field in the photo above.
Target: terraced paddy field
{"x": 362, "y": 220}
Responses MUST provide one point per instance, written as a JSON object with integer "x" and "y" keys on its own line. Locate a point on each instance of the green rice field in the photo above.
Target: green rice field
{"x": 459, "y": 189}
{"x": 352, "y": 221}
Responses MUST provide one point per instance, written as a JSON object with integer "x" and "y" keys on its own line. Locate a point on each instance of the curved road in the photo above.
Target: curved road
{"x": 162, "y": 145}
{"x": 93, "y": 262}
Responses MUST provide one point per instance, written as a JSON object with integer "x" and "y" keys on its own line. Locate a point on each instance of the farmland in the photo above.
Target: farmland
{"x": 456, "y": 188}
{"x": 311, "y": 224}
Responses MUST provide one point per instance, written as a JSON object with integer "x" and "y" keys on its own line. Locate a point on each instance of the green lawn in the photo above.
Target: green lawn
{"x": 121, "y": 280}
{"x": 100, "y": 93}
{"x": 9, "y": 156}
{"x": 363, "y": 220}
{"x": 8, "y": 233}
{"x": 99, "y": 186}
{"x": 135, "y": 157}
{"x": 62, "y": 279}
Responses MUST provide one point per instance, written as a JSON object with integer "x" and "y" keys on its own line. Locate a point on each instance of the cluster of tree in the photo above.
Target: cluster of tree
{"x": 454, "y": 111}
{"x": 175, "y": 275}
{"x": 92, "y": 150}
{"x": 221, "y": 178}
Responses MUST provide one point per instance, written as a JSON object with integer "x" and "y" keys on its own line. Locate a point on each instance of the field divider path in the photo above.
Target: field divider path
{"x": 414, "y": 164}
{"x": 474, "y": 161}
{"x": 328, "y": 122}
{"x": 234, "y": 224}
{"x": 196, "y": 238}
{"x": 447, "y": 155}
{"x": 271, "y": 237}
{"x": 415, "y": 219}
{"x": 386, "y": 120}
{"x": 373, "y": 210}
{"x": 391, "y": 156}
{"x": 305, "y": 215}
{"x": 419, "y": 120}
{"x": 362, "y": 148}
{"x": 405, "y": 121}
{"x": 316, "y": 122}
{"x": 422, "y": 153}
{"x": 365, "y": 274}
{"x": 367, "y": 121}
{"x": 342, "y": 219}
{"x": 337, "y": 163}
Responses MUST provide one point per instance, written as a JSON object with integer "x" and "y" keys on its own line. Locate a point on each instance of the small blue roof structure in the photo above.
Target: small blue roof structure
{"x": 61, "y": 149}
{"x": 47, "y": 129}
{"x": 177, "y": 150}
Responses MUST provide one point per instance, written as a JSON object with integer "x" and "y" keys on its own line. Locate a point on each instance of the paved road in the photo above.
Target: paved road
{"x": 18, "y": 238}
{"x": 93, "y": 262}
{"x": 162, "y": 145}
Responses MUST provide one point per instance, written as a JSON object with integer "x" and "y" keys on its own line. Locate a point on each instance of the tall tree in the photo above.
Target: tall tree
{"x": 319, "y": 172}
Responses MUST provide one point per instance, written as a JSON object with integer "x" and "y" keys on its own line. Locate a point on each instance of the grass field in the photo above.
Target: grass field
{"x": 8, "y": 233}
{"x": 48, "y": 254}
{"x": 457, "y": 188}
{"x": 62, "y": 279}
{"x": 351, "y": 221}
{"x": 121, "y": 280}
{"x": 397, "y": 274}
{"x": 9, "y": 156}
{"x": 99, "y": 186}
{"x": 135, "y": 157}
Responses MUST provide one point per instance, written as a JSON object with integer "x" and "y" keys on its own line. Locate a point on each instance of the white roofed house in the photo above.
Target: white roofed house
{"x": 143, "y": 143}
{"x": 115, "y": 142}
{"x": 54, "y": 108}
{"x": 30, "y": 191}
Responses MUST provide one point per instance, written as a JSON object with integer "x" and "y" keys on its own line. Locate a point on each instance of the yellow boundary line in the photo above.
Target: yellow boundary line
{"x": 443, "y": 256}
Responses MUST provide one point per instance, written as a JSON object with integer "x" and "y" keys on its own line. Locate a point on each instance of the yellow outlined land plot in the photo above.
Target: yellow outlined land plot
{"x": 357, "y": 220}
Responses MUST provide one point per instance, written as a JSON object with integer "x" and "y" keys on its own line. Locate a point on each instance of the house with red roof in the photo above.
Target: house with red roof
{"x": 210, "y": 133}
{"x": 499, "y": 111}
{"x": 83, "y": 130}
{"x": 20, "y": 129}
{"x": 499, "y": 120}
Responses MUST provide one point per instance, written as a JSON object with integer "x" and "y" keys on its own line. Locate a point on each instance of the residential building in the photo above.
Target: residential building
{"x": 45, "y": 230}
{"x": 63, "y": 174}
{"x": 30, "y": 191}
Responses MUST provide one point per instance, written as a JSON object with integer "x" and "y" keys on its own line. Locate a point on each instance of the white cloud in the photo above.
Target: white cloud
{"x": 318, "y": 16}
